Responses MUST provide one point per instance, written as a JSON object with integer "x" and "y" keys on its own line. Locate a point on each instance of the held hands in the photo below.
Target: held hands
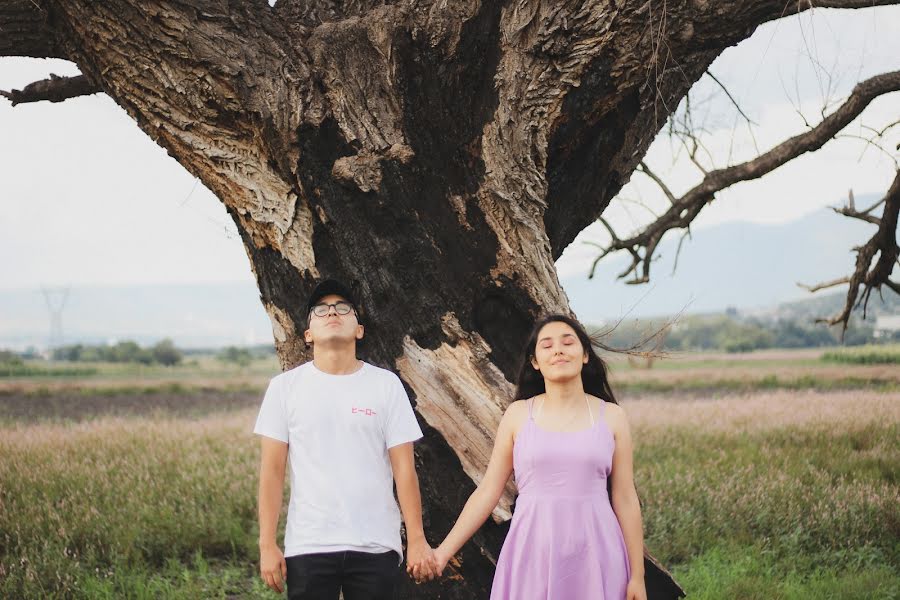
{"x": 420, "y": 563}
{"x": 272, "y": 567}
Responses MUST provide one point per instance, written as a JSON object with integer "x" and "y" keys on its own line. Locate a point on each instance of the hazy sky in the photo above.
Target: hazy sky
{"x": 87, "y": 198}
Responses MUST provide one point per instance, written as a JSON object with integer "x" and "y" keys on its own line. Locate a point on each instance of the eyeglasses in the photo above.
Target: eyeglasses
{"x": 341, "y": 308}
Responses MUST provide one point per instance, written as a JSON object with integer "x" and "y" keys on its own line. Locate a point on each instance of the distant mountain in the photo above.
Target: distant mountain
{"x": 749, "y": 267}
{"x": 741, "y": 265}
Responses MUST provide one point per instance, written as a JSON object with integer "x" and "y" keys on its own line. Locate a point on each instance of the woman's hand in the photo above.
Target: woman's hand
{"x": 441, "y": 558}
{"x": 636, "y": 589}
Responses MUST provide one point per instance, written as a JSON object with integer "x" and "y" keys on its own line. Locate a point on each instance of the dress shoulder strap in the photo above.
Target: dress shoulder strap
{"x": 602, "y": 411}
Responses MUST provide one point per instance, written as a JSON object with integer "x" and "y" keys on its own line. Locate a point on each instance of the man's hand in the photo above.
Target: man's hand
{"x": 420, "y": 561}
{"x": 272, "y": 567}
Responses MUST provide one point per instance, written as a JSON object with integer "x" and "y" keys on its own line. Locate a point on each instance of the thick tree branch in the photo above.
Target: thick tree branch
{"x": 24, "y": 30}
{"x": 54, "y": 89}
{"x": 884, "y": 244}
{"x": 684, "y": 210}
{"x": 593, "y": 156}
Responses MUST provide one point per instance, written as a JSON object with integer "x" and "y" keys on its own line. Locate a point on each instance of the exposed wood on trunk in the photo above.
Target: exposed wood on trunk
{"x": 463, "y": 395}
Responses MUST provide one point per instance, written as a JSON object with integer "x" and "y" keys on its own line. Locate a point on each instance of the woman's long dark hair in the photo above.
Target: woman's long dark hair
{"x": 530, "y": 382}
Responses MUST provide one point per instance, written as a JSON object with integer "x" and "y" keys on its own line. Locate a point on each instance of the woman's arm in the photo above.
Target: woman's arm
{"x": 625, "y": 501}
{"x": 487, "y": 495}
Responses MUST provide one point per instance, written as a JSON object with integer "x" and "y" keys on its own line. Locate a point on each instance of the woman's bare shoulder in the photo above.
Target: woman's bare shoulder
{"x": 516, "y": 409}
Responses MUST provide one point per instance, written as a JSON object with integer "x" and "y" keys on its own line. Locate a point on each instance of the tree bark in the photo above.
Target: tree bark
{"x": 439, "y": 156}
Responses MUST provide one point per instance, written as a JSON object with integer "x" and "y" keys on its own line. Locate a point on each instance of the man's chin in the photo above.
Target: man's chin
{"x": 334, "y": 337}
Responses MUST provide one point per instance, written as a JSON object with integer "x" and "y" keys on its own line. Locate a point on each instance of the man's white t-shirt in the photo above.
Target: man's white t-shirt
{"x": 338, "y": 429}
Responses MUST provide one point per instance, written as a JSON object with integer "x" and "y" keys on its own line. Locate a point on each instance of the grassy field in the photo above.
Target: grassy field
{"x": 865, "y": 355}
{"x": 118, "y": 486}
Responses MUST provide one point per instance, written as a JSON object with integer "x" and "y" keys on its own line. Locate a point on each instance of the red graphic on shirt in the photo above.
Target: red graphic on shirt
{"x": 363, "y": 411}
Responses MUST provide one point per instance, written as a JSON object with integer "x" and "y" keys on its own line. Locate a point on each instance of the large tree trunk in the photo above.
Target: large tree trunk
{"x": 439, "y": 156}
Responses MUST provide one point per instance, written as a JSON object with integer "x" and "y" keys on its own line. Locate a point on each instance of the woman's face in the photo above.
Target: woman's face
{"x": 558, "y": 354}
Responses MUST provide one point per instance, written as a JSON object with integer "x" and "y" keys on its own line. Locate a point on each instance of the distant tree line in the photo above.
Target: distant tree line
{"x": 235, "y": 355}
{"x": 163, "y": 352}
{"x": 732, "y": 333}
{"x": 8, "y": 357}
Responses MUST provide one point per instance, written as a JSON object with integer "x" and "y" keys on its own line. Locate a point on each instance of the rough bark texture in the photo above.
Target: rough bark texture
{"x": 437, "y": 155}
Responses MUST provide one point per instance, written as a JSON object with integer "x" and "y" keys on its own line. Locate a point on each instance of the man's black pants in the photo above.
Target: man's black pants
{"x": 360, "y": 575}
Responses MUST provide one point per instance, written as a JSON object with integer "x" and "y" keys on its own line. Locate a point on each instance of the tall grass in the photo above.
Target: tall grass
{"x": 88, "y": 501}
{"x": 775, "y": 495}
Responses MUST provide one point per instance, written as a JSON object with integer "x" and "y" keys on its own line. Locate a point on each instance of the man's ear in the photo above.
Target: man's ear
{"x": 360, "y": 332}
{"x": 307, "y": 336}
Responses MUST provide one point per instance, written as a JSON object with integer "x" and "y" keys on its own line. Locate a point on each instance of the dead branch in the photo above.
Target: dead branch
{"x": 825, "y": 285}
{"x": 864, "y": 215}
{"x": 684, "y": 210}
{"x": 883, "y": 243}
{"x": 54, "y": 89}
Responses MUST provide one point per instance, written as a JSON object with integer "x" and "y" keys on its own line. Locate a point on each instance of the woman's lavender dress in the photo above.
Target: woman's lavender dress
{"x": 565, "y": 542}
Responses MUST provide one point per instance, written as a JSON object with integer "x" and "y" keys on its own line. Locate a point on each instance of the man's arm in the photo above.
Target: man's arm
{"x": 418, "y": 552}
{"x": 272, "y": 567}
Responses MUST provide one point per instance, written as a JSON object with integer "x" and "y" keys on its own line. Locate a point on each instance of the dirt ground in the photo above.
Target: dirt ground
{"x": 79, "y": 405}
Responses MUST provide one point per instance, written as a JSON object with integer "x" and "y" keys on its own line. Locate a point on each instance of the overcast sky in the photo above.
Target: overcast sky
{"x": 87, "y": 198}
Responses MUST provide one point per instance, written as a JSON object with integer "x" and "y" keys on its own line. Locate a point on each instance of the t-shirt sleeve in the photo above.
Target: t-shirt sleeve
{"x": 272, "y": 421}
{"x": 401, "y": 424}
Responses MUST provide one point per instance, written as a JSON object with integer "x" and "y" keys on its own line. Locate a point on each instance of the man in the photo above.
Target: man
{"x": 348, "y": 428}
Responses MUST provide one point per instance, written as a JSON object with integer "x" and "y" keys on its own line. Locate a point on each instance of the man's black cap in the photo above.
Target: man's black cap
{"x": 326, "y": 287}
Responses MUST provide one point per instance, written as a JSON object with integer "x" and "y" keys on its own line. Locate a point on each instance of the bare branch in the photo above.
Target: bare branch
{"x": 862, "y": 216}
{"x": 826, "y": 285}
{"x": 643, "y": 168}
{"x": 883, "y": 130}
{"x": 884, "y": 244}
{"x": 740, "y": 111}
{"x": 867, "y": 143}
{"x": 684, "y": 210}
{"x": 730, "y": 97}
{"x": 686, "y": 234}
{"x": 55, "y": 89}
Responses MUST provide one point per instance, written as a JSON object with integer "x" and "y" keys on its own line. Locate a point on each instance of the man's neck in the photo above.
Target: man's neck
{"x": 336, "y": 361}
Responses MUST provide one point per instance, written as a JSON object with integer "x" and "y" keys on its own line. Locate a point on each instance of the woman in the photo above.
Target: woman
{"x": 564, "y": 436}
